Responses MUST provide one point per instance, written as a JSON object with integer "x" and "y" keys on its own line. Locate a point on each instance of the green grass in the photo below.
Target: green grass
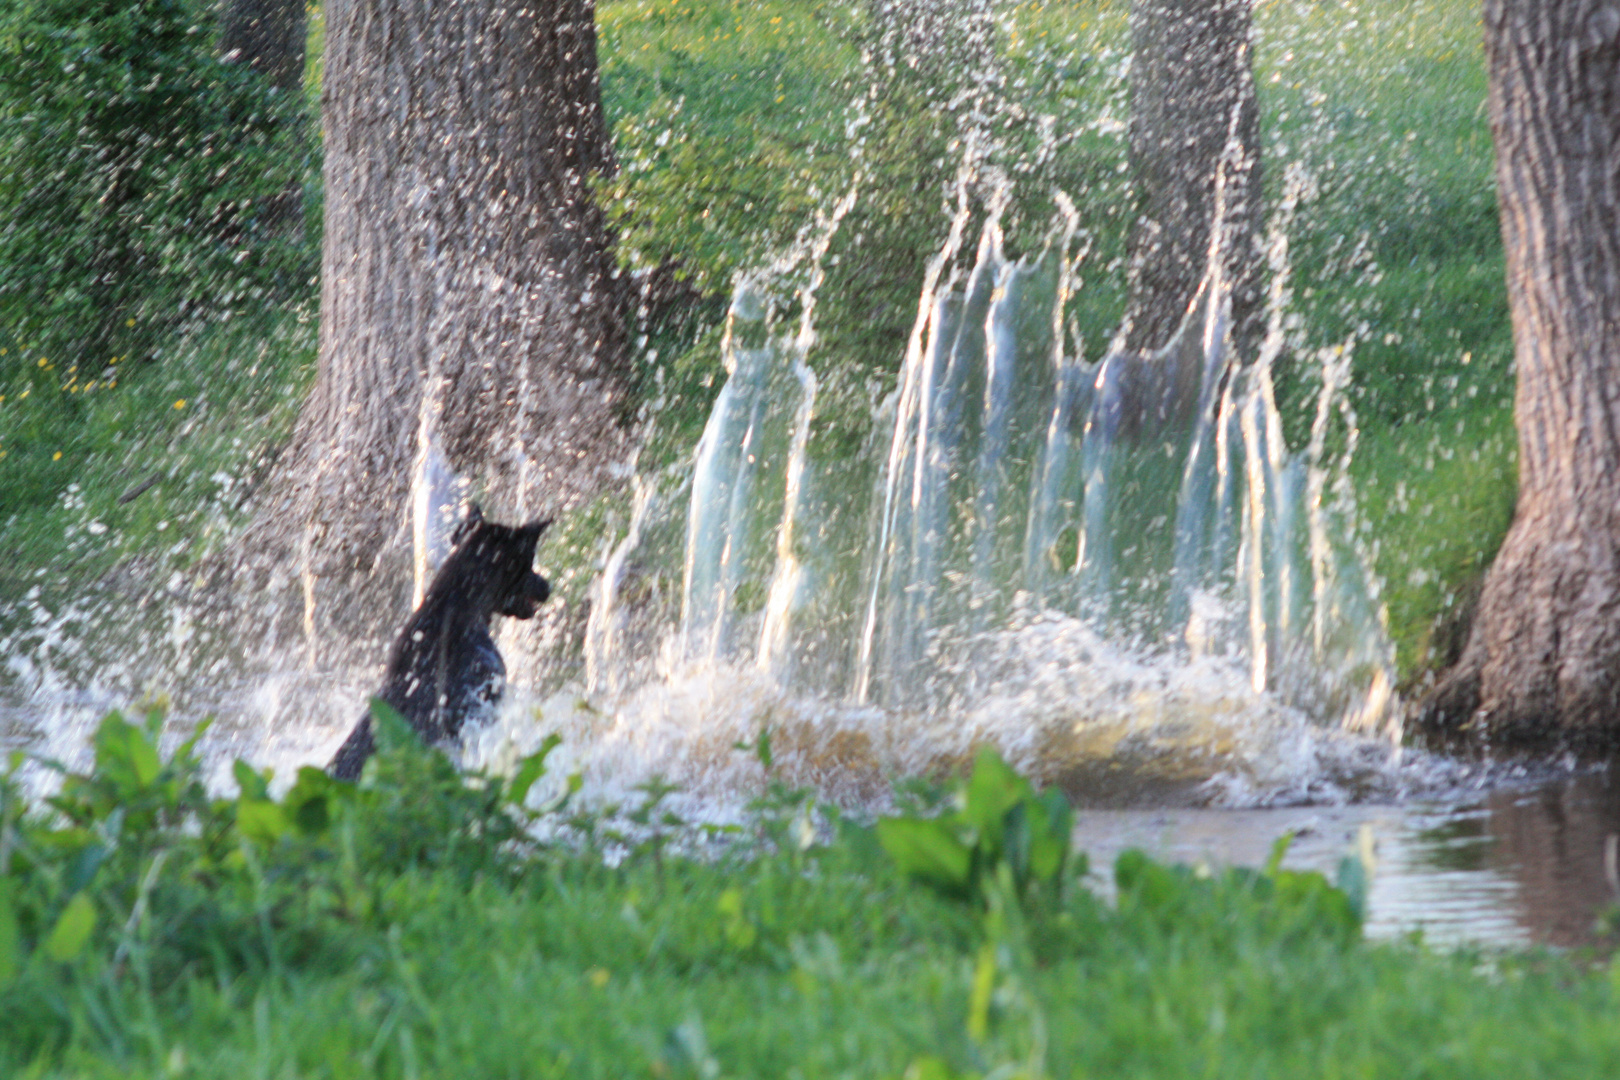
{"x": 586, "y": 972}
{"x": 1438, "y": 496}
{"x": 178, "y": 438}
{"x": 405, "y": 928}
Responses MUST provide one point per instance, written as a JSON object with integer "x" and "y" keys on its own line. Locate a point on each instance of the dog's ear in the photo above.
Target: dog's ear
{"x": 470, "y": 520}
{"x": 531, "y": 532}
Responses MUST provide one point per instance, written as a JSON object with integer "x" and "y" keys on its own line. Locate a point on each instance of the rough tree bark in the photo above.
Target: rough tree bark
{"x": 1193, "y": 112}
{"x": 469, "y": 299}
{"x": 1542, "y": 664}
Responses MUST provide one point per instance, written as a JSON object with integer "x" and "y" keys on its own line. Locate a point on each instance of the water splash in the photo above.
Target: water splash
{"x": 1094, "y": 565}
{"x": 1102, "y": 568}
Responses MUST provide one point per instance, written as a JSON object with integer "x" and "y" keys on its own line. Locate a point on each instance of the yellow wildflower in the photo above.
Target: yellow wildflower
{"x": 180, "y": 404}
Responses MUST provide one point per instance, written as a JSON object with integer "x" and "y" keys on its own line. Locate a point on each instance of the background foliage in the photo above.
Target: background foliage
{"x": 146, "y": 187}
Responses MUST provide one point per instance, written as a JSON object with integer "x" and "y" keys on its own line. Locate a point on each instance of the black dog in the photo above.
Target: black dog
{"x": 444, "y": 668}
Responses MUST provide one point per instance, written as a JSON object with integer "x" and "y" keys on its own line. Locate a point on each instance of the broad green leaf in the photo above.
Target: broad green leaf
{"x": 252, "y": 783}
{"x": 83, "y": 866}
{"x": 262, "y": 821}
{"x": 124, "y": 754}
{"x": 188, "y": 748}
{"x": 389, "y": 726}
{"x": 1049, "y": 845}
{"x": 1017, "y": 835}
{"x": 308, "y": 803}
{"x": 992, "y": 790}
{"x": 313, "y": 815}
{"x": 143, "y": 756}
{"x": 530, "y": 769}
{"x": 72, "y": 931}
{"x": 927, "y": 848}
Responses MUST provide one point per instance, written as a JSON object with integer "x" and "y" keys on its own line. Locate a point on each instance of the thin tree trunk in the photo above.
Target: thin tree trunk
{"x": 1193, "y": 115}
{"x": 1543, "y": 659}
{"x": 469, "y": 300}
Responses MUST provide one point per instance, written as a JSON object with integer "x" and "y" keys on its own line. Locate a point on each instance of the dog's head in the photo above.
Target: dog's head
{"x": 497, "y": 562}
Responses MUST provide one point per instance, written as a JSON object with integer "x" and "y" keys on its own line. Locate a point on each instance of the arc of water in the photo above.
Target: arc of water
{"x": 744, "y": 427}
{"x": 912, "y": 376}
{"x": 1196, "y": 503}
{"x": 602, "y": 625}
{"x": 1001, "y": 358}
{"x": 1049, "y": 492}
{"x": 959, "y": 355}
{"x": 722, "y": 484}
{"x": 787, "y": 573}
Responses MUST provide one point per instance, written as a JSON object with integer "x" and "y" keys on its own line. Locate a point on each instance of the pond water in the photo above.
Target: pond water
{"x": 1528, "y": 862}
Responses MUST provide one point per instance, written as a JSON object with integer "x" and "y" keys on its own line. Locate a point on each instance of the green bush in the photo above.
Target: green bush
{"x": 147, "y": 184}
{"x": 136, "y": 862}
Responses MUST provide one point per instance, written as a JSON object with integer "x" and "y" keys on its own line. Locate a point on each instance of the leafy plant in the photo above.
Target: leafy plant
{"x": 997, "y": 821}
{"x": 136, "y": 862}
{"x": 1281, "y": 902}
{"x": 414, "y": 808}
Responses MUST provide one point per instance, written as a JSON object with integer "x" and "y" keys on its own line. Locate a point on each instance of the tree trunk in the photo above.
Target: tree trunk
{"x": 1193, "y": 116}
{"x": 1542, "y": 663}
{"x": 470, "y": 306}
